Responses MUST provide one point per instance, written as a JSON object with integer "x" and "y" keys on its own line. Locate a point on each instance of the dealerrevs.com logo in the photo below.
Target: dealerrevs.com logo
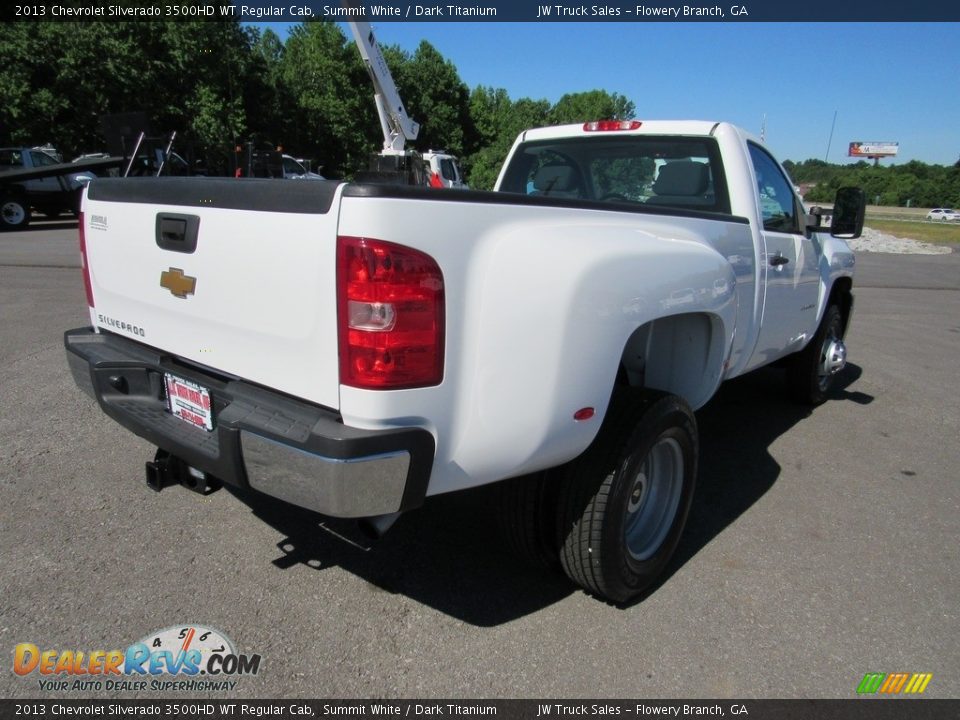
{"x": 181, "y": 657}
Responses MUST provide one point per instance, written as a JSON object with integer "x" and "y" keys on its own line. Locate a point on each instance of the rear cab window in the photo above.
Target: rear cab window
{"x": 658, "y": 171}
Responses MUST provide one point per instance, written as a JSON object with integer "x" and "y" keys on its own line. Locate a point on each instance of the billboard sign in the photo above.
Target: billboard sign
{"x": 873, "y": 149}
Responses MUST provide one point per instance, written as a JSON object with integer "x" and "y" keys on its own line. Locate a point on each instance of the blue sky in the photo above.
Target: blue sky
{"x": 886, "y": 81}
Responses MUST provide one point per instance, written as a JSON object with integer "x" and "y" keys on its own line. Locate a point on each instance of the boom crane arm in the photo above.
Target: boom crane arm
{"x": 397, "y": 126}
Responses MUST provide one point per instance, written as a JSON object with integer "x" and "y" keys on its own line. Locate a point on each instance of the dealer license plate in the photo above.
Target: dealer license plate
{"x": 189, "y": 402}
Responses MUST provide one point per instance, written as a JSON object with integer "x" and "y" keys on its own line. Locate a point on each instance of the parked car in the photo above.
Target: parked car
{"x": 49, "y": 195}
{"x": 944, "y": 215}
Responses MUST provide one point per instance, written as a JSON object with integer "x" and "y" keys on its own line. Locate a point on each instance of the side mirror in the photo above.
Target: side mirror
{"x": 849, "y": 209}
{"x": 846, "y": 217}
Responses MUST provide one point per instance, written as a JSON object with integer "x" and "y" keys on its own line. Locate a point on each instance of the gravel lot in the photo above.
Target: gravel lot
{"x": 874, "y": 241}
{"x": 822, "y": 545}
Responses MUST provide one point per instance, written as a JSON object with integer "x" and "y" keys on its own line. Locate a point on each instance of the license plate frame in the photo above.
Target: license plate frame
{"x": 188, "y": 401}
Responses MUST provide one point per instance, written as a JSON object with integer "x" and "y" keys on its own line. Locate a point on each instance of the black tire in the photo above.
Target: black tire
{"x": 527, "y": 513}
{"x": 810, "y": 372}
{"x": 624, "y": 502}
{"x": 14, "y": 213}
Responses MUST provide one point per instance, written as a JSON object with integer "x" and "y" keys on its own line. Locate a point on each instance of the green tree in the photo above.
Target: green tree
{"x": 434, "y": 96}
{"x": 57, "y": 80}
{"x": 268, "y": 103}
{"x": 498, "y": 121}
{"x": 917, "y": 183}
{"x": 50, "y": 94}
{"x": 591, "y": 105}
{"x": 488, "y": 108}
{"x": 333, "y": 107}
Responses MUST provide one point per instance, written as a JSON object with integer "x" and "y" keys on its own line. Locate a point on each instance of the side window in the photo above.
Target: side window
{"x": 777, "y": 204}
{"x": 447, "y": 170}
{"x": 40, "y": 159}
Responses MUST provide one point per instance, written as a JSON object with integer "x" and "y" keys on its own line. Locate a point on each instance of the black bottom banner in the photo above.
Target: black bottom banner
{"x": 861, "y": 709}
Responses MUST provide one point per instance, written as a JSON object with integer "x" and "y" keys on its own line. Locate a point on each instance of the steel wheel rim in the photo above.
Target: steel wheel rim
{"x": 654, "y": 499}
{"x": 833, "y": 357}
{"x": 13, "y": 213}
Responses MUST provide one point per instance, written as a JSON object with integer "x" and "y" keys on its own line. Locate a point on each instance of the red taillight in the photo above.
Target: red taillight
{"x": 390, "y": 306}
{"x": 608, "y": 125}
{"x": 86, "y": 266}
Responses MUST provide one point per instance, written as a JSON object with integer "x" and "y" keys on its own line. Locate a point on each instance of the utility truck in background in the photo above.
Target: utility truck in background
{"x": 354, "y": 348}
{"x": 444, "y": 170}
{"x": 395, "y": 163}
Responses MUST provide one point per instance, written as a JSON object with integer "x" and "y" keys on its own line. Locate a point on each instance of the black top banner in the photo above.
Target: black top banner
{"x": 632, "y": 11}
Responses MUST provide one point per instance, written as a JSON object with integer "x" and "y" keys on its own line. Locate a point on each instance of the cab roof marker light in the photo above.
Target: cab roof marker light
{"x": 611, "y": 125}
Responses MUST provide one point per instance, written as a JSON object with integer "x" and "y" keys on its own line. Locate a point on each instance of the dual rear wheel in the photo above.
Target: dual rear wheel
{"x": 612, "y": 517}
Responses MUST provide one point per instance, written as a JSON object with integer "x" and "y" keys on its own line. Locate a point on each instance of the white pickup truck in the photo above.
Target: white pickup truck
{"x": 355, "y": 348}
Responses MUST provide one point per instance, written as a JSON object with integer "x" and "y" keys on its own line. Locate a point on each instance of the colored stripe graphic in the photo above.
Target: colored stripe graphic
{"x": 894, "y": 683}
{"x": 918, "y": 683}
{"x": 870, "y": 683}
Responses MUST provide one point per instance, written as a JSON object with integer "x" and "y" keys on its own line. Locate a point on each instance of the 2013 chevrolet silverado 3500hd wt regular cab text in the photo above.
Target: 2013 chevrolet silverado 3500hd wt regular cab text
{"x": 354, "y": 348}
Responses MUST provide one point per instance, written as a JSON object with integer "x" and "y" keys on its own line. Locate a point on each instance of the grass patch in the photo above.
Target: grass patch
{"x": 931, "y": 232}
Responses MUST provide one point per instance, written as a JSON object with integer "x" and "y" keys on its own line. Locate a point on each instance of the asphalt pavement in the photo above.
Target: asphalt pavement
{"x": 822, "y": 545}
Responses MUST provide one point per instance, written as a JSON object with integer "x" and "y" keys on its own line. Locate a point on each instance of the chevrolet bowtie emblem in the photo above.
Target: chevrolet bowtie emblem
{"x": 176, "y": 282}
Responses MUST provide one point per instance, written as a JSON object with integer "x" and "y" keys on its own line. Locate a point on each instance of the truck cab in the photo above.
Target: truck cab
{"x": 445, "y": 170}
{"x": 294, "y": 169}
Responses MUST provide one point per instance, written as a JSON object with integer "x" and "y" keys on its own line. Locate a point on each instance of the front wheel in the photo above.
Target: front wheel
{"x": 812, "y": 371}
{"x": 624, "y": 502}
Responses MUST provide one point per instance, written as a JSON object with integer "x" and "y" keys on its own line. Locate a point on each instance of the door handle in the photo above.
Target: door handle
{"x": 779, "y": 260}
{"x": 177, "y": 232}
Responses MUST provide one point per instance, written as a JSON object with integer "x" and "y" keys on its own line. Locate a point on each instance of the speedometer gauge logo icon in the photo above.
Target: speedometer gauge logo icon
{"x": 199, "y": 641}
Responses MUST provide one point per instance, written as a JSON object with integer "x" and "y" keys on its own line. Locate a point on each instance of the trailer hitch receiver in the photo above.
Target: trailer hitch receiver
{"x": 167, "y": 469}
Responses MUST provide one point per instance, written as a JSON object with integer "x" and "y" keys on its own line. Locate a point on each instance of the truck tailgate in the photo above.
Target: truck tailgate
{"x": 235, "y": 275}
